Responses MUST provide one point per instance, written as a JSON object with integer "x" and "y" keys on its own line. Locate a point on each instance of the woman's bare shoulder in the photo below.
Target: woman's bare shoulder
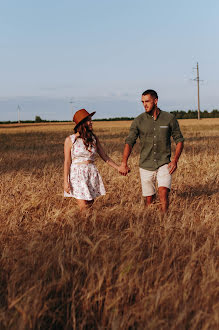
{"x": 72, "y": 138}
{"x": 68, "y": 141}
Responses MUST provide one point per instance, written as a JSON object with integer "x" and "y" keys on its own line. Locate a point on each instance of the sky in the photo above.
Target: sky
{"x": 61, "y": 56}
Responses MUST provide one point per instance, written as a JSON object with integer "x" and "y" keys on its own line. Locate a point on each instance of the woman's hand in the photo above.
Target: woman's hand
{"x": 67, "y": 188}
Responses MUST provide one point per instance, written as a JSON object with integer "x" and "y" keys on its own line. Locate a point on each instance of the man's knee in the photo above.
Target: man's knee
{"x": 163, "y": 193}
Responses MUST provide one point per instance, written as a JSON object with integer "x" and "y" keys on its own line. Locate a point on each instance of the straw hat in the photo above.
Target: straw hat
{"x": 80, "y": 115}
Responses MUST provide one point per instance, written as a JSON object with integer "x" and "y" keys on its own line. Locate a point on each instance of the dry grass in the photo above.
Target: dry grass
{"x": 121, "y": 266}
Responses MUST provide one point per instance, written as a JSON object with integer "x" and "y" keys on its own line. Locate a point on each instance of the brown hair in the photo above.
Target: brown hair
{"x": 86, "y": 134}
{"x": 151, "y": 92}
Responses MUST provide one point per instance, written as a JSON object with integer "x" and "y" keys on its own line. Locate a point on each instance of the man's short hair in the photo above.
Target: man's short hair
{"x": 151, "y": 92}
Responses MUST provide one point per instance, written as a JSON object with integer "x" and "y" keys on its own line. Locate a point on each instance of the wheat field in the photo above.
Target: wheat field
{"x": 120, "y": 266}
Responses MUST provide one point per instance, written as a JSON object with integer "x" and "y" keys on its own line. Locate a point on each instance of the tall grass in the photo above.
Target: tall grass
{"x": 120, "y": 266}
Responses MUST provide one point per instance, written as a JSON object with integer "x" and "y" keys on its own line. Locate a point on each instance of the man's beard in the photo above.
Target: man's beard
{"x": 153, "y": 109}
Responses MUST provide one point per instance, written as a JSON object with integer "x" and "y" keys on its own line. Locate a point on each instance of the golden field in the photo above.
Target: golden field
{"x": 121, "y": 266}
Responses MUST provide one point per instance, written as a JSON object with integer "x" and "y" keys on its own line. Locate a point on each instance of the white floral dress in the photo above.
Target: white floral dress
{"x": 85, "y": 180}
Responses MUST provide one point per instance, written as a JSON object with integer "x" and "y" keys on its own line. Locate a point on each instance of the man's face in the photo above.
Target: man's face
{"x": 149, "y": 102}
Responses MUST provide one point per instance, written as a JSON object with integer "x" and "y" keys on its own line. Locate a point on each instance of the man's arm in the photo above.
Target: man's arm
{"x": 173, "y": 164}
{"x": 124, "y": 169}
{"x": 129, "y": 143}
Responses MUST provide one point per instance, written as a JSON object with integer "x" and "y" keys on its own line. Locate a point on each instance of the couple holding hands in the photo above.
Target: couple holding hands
{"x": 154, "y": 127}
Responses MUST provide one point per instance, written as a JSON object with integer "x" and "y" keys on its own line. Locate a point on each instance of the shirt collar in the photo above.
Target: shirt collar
{"x": 158, "y": 114}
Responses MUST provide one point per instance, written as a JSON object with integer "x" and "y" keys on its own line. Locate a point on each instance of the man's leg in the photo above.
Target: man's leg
{"x": 149, "y": 200}
{"x": 148, "y": 185}
{"x": 164, "y": 198}
{"x": 164, "y": 180}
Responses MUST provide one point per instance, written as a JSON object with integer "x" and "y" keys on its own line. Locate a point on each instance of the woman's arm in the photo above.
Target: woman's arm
{"x": 67, "y": 163}
{"x": 104, "y": 156}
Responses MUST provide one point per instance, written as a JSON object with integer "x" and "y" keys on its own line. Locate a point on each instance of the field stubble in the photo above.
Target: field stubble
{"x": 121, "y": 266}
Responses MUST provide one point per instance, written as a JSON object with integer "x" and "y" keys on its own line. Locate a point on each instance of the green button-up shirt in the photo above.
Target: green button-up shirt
{"x": 155, "y": 138}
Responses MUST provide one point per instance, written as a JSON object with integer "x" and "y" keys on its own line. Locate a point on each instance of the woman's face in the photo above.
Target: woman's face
{"x": 89, "y": 123}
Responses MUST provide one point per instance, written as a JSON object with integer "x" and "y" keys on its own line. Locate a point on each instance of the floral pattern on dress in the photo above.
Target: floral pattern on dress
{"x": 85, "y": 180}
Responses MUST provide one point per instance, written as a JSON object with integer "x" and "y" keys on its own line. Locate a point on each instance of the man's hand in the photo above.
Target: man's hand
{"x": 172, "y": 166}
{"x": 124, "y": 169}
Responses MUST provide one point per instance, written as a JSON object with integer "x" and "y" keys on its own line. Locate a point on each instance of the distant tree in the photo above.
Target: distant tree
{"x": 204, "y": 114}
{"x": 215, "y": 113}
{"x": 38, "y": 119}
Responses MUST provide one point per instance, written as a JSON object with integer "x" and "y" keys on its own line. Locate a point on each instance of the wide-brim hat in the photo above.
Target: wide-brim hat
{"x": 81, "y": 115}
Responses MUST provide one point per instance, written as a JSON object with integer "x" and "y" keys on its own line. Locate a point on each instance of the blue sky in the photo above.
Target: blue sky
{"x": 102, "y": 54}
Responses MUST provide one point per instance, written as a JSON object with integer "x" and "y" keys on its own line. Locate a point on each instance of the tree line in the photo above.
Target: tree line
{"x": 179, "y": 114}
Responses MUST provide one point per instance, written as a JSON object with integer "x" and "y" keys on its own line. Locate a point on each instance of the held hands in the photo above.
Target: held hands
{"x": 124, "y": 169}
{"x": 172, "y": 166}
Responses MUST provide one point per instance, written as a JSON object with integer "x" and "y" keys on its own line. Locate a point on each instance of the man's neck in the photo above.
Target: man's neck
{"x": 155, "y": 112}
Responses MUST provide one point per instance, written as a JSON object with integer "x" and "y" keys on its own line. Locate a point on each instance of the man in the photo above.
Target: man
{"x": 154, "y": 127}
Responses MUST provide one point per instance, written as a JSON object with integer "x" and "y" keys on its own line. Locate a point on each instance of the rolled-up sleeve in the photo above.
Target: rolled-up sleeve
{"x": 175, "y": 131}
{"x": 133, "y": 134}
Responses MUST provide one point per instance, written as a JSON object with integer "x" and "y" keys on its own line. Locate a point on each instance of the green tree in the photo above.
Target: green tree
{"x": 38, "y": 119}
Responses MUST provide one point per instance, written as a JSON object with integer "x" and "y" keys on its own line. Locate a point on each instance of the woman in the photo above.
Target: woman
{"x": 81, "y": 177}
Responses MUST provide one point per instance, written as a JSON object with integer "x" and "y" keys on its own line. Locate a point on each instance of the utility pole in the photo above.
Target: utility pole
{"x": 197, "y": 79}
{"x": 198, "y": 92}
{"x": 18, "y": 114}
{"x": 72, "y": 108}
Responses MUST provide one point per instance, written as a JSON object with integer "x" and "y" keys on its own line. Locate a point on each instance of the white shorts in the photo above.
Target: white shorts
{"x": 148, "y": 180}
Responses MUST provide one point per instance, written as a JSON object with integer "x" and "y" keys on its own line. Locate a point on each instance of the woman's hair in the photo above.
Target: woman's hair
{"x": 86, "y": 134}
